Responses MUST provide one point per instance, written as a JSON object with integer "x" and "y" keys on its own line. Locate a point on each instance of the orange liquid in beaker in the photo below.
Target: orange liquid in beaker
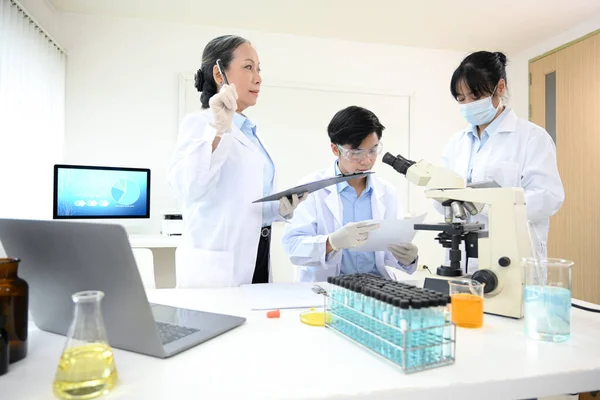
{"x": 467, "y": 310}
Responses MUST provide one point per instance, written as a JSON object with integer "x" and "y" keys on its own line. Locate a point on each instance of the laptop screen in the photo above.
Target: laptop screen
{"x": 84, "y": 192}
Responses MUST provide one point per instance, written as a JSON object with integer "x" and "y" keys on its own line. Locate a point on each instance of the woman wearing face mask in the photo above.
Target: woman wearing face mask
{"x": 498, "y": 145}
{"x": 220, "y": 166}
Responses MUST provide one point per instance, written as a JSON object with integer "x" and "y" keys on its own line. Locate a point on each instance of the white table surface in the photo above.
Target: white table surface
{"x": 154, "y": 241}
{"x": 285, "y": 359}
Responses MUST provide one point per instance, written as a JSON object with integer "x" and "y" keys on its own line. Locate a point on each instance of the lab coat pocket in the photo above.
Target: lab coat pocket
{"x": 200, "y": 268}
{"x": 505, "y": 173}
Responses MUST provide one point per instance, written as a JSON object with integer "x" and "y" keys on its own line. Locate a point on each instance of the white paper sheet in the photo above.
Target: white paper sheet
{"x": 273, "y": 296}
{"x": 391, "y": 232}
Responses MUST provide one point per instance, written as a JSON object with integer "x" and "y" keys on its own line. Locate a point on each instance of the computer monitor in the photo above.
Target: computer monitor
{"x": 95, "y": 192}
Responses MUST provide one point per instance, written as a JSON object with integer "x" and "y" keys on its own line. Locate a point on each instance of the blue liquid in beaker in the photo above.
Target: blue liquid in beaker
{"x": 548, "y": 313}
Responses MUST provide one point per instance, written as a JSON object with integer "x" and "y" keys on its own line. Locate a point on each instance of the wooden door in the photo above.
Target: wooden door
{"x": 565, "y": 99}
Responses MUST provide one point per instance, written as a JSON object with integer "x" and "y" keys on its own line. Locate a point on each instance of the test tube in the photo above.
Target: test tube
{"x": 385, "y": 314}
{"x": 394, "y": 332}
{"x": 447, "y": 347}
{"x": 427, "y": 339}
{"x": 439, "y": 331}
{"x": 332, "y": 287}
{"x": 404, "y": 324}
{"x": 377, "y": 304}
{"x": 358, "y": 309}
{"x": 330, "y": 291}
{"x": 334, "y": 295}
{"x": 389, "y": 331}
{"x": 336, "y": 304}
{"x": 345, "y": 310}
{"x": 420, "y": 335}
{"x": 352, "y": 316}
{"x": 368, "y": 310}
{"x": 382, "y": 317}
{"x": 377, "y": 314}
{"x": 413, "y": 335}
{"x": 395, "y": 320}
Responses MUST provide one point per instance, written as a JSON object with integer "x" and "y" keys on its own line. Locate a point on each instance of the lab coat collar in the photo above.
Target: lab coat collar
{"x": 509, "y": 122}
{"x": 505, "y": 123}
{"x": 333, "y": 200}
{"x": 240, "y": 120}
{"x": 377, "y": 206}
{"x": 236, "y": 130}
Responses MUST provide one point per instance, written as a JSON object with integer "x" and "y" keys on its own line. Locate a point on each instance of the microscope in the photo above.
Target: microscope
{"x": 499, "y": 249}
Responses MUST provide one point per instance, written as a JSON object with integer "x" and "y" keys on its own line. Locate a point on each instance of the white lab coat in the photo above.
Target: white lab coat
{"x": 216, "y": 190}
{"x": 517, "y": 154}
{"x": 305, "y": 237}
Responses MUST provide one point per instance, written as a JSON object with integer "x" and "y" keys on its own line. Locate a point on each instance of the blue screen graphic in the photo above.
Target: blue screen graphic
{"x": 97, "y": 193}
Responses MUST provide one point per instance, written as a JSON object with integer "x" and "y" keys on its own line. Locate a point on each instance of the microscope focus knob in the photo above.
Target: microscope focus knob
{"x": 504, "y": 261}
{"x": 488, "y": 278}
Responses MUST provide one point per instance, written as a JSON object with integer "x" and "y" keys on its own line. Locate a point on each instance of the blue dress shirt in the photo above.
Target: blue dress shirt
{"x": 354, "y": 209}
{"x": 249, "y": 129}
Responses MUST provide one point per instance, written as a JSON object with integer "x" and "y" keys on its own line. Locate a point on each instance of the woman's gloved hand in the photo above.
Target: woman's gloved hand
{"x": 286, "y": 208}
{"x": 223, "y": 106}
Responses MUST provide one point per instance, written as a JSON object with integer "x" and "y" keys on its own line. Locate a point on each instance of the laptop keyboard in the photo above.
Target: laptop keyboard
{"x": 170, "y": 333}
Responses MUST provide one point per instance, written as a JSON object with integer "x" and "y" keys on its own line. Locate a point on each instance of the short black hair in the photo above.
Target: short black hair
{"x": 222, "y": 48}
{"x": 352, "y": 125}
{"x": 481, "y": 71}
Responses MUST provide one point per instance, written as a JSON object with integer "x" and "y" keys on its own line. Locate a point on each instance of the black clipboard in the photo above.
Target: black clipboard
{"x": 312, "y": 186}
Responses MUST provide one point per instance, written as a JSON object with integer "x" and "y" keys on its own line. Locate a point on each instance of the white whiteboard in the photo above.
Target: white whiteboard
{"x": 292, "y": 122}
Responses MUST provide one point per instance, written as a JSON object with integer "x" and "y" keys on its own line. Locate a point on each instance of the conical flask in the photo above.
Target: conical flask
{"x": 86, "y": 368}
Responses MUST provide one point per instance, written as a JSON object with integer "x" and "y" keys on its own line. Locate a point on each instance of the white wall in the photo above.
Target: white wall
{"x": 122, "y": 90}
{"x": 518, "y": 71}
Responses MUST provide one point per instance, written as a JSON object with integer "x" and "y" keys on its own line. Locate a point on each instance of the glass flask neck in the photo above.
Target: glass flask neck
{"x": 9, "y": 267}
{"x": 88, "y": 325}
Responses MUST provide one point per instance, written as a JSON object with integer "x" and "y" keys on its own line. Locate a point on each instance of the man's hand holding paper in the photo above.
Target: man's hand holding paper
{"x": 351, "y": 235}
{"x": 392, "y": 232}
{"x": 405, "y": 253}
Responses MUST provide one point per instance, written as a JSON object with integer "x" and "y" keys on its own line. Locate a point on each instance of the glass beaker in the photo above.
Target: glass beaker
{"x": 547, "y": 298}
{"x": 14, "y": 304}
{"x": 467, "y": 303}
{"x": 86, "y": 368}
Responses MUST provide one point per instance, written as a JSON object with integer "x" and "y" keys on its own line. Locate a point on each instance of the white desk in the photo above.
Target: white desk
{"x": 154, "y": 241}
{"x": 163, "y": 252}
{"x": 284, "y": 359}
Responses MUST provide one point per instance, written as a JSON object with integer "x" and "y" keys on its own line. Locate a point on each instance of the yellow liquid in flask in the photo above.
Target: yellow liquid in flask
{"x": 85, "y": 372}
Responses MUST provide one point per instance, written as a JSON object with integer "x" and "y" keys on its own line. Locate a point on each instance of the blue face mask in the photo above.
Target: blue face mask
{"x": 479, "y": 112}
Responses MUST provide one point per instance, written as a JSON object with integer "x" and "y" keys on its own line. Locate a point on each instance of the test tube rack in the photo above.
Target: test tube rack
{"x": 402, "y": 323}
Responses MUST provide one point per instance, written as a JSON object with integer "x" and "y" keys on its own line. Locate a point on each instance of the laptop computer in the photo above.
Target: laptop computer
{"x": 61, "y": 258}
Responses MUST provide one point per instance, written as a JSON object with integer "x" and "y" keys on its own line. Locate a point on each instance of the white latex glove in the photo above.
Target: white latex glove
{"x": 223, "y": 106}
{"x": 286, "y": 208}
{"x": 351, "y": 235}
{"x": 406, "y": 253}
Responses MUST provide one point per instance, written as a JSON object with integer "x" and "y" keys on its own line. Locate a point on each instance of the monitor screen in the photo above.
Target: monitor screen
{"x": 82, "y": 191}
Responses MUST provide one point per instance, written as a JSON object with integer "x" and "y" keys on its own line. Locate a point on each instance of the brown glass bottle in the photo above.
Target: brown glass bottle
{"x": 3, "y": 346}
{"x": 14, "y": 301}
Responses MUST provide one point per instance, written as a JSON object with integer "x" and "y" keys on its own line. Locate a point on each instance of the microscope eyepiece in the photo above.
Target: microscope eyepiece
{"x": 398, "y": 162}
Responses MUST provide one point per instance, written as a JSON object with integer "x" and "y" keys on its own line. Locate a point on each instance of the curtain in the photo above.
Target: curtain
{"x": 32, "y": 114}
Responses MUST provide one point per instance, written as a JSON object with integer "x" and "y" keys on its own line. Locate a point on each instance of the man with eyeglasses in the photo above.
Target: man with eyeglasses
{"x": 332, "y": 220}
